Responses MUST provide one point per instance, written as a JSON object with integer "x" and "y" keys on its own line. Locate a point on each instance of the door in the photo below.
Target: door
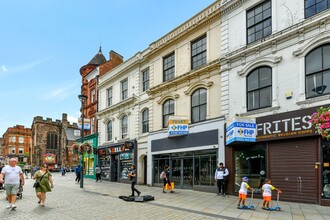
{"x": 292, "y": 169}
{"x": 182, "y": 173}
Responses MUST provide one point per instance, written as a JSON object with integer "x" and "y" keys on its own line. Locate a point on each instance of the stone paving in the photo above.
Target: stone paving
{"x": 100, "y": 201}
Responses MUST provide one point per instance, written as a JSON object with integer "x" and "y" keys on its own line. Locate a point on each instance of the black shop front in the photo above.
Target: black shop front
{"x": 116, "y": 159}
{"x": 290, "y": 152}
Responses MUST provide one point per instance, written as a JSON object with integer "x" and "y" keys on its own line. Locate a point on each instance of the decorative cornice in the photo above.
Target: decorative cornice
{"x": 272, "y": 61}
{"x": 198, "y": 85}
{"x": 117, "y": 106}
{"x": 166, "y": 97}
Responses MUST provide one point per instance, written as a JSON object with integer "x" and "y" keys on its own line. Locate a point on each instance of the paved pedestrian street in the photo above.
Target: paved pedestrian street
{"x": 100, "y": 200}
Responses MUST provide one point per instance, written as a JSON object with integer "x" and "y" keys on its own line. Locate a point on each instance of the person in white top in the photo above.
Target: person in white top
{"x": 267, "y": 193}
{"x": 220, "y": 176}
{"x": 13, "y": 176}
{"x": 243, "y": 192}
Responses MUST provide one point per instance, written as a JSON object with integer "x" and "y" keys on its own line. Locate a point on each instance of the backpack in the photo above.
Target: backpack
{"x": 162, "y": 175}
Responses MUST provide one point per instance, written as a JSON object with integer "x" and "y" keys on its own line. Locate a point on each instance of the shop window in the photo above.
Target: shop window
{"x": 317, "y": 67}
{"x": 259, "y": 88}
{"x": 207, "y": 166}
{"x": 158, "y": 168}
{"x": 251, "y": 163}
{"x": 198, "y": 106}
{"x": 326, "y": 169}
{"x": 168, "y": 110}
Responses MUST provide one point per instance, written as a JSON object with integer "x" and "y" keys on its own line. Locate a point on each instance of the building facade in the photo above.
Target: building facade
{"x": 186, "y": 125}
{"x": 275, "y": 71}
{"x": 16, "y": 144}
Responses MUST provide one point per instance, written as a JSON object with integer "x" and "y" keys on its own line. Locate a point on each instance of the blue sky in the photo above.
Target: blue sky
{"x": 44, "y": 43}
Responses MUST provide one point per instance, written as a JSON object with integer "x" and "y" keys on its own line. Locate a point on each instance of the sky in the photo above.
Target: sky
{"x": 44, "y": 43}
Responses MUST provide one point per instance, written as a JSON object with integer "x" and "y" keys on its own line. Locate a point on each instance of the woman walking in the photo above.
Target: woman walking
{"x": 44, "y": 178}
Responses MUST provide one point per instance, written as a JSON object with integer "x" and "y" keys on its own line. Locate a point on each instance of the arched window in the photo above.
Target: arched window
{"x": 52, "y": 141}
{"x": 145, "y": 121}
{"x": 259, "y": 88}
{"x": 109, "y": 131}
{"x": 124, "y": 127}
{"x": 198, "y": 106}
{"x": 317, "y": 71}
{"x": 168, "y": 110}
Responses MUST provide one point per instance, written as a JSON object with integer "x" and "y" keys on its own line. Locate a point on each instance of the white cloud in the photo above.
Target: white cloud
{"x": 72, "y": 119}
{"x": 4, "y": 68}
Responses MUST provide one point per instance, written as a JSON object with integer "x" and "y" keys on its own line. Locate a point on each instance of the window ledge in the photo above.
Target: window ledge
{"x": 313, "y": 100}
{"x": 258, "y": 111}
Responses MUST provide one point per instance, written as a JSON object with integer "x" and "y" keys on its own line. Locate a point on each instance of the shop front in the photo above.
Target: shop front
{"x": 115, "y": 160}
{"x": 288, "y": 151}
{"x": 192, "y": 157}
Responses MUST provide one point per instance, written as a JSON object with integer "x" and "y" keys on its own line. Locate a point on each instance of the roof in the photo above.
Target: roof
{"x": 70, "y": 134}
{"x": 98, "y": 59}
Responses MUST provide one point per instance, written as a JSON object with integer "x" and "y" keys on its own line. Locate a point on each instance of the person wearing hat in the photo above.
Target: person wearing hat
{"x": 13, "y": 176}
{"x": 243, "y": 192}
{"x": 132, "y": 177}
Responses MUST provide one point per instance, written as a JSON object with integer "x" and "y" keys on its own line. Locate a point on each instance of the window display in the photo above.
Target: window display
{"x": 326, "y": 169}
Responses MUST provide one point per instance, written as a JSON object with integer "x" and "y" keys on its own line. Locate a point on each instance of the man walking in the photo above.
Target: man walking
{"x": 132, "y": 177}
{"x": 220, "y": 176}
{"x": 98, "y": 172}
{"x": 77, "y": 170}
{"x": 13, "y": 174}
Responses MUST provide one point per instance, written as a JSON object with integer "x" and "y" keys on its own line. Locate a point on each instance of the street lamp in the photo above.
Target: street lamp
{"x": 82, "y": 99}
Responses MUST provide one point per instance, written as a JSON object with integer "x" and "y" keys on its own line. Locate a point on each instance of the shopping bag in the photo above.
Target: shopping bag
{"x": 170, "y": 187}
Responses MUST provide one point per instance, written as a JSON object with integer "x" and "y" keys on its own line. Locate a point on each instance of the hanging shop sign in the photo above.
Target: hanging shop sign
{"x": 178, "y": 125}
{"x": 241, "y": 129}
{"x": 87, "y": 123}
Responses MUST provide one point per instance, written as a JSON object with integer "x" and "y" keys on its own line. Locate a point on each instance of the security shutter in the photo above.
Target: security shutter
{"x": 292, "y": 169}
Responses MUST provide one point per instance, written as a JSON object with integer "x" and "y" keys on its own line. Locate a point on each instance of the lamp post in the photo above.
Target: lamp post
{"x": 82, "y": 99}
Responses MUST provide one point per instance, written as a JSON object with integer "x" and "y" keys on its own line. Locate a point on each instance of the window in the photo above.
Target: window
{"x": 124, "y": 127}
{"x": 259, "y": 88}
{"x": 198, "y": 52}
{"x": 168, "y": 67}
{"x": 93, "y": 96}
{"x": 145, "y": 80}
{"x": 52, "y": 141}
{"x": 313, "y": 7}
{"x": 13, "y": 150}
{"x": 124, "y": 89}
{"x": 21, "y": 150}
{"x": 317, "y": 67}
{"x": 259, "y": 22}
{"x": 198, "y": 106}
{"x": 109, "y": 131}
{"x": 145, "y": 121}
{"x": 12, "y": 139}
{"x": 21, "y": 139}
{"x": 109, "y": 96}
{"x": 92, "y": 125}
{"x": 168, "y": 110}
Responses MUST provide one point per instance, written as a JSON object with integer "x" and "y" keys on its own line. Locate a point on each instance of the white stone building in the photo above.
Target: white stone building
{"x": 275, "y": 67}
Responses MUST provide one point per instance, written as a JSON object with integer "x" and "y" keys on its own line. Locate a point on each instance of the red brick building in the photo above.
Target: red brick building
{"x": 98, "y": 66}
{"x": 17, "y": 144}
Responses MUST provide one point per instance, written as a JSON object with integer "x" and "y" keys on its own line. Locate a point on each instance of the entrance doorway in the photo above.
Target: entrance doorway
{"x": 182, "y": 173}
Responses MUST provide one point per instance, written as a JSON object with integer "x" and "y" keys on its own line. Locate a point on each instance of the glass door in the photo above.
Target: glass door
{"x": 188, "y": 172}
{"x": 176, "y": 173}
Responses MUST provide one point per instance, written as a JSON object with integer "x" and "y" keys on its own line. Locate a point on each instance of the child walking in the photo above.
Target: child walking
{"x": 243, "y": 192}
{"x": 267, "y": 193}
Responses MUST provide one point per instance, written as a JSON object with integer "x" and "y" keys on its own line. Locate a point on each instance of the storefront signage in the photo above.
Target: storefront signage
{"x": 241, "y": 129}
{"x": 178, "y": 125}
{"x": 87, "y": 123}
{"x": 286, "y": 125}
{"x": 49, "y": 158}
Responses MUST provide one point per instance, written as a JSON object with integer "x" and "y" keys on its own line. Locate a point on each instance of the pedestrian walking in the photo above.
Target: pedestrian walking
{"x": 26, "y": 170}
{"x": 77, "y": 170}
{"x": 243, "y": 192}
{"x": 166, "y": 179}
{"x": 220, "y": 176}
{"x": 267, "y": 193}
{"x": 12, "y": 176}
{"x": 132, "y": 177}
{"x": 98, "y": 172}
{"x": 44, "y": 178}
{"x": 63, "y": 170}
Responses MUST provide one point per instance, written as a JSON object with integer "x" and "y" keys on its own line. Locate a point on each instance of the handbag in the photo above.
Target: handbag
{"x": 37, "y": 184}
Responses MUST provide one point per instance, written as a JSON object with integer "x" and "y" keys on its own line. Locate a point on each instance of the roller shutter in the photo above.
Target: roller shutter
{"x": 291, "y": 165}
